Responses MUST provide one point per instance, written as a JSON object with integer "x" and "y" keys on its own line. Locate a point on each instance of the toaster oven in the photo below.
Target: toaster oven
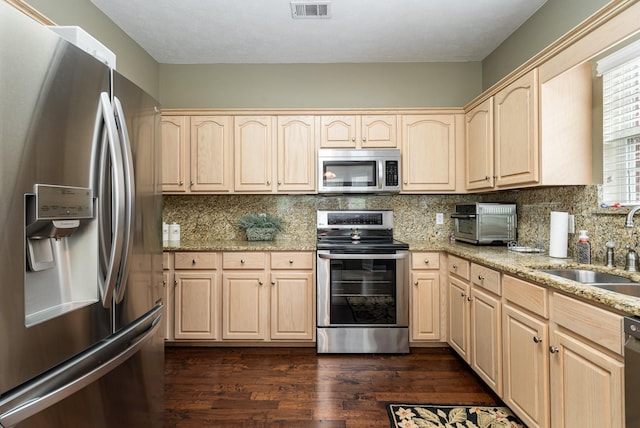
{"x": 485, "y": 223}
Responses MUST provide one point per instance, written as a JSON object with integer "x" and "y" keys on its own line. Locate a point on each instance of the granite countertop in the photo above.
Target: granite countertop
{"x": 526, "y": 265}
{"x": 522, "y": 265}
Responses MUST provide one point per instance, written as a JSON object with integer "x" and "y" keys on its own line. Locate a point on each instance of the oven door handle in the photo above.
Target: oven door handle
{"x": 463, "y": 216}
{"x": 364, "y": 256}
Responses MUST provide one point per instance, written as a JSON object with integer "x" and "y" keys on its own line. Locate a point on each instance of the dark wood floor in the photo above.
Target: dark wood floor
{"x": 295, "y": 387}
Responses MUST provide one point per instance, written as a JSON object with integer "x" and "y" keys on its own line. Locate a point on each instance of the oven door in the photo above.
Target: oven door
{"x": 465, "y": 227}
{"x": 364, "y": 289}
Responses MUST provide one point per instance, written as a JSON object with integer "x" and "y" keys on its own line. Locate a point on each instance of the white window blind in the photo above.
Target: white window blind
{"x": 621, "y": 125}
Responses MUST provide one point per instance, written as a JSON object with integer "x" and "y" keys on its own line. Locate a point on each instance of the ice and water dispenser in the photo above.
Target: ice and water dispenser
{"x": 61, "y": 238}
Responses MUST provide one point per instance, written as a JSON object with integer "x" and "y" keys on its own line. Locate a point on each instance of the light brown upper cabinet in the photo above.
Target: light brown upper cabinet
{"x": 479, "y": 146}
{"x": 196, "y": 154}
{"x": 429, "y": 151}
{"x": 359, "y": 132}
{"x": 275, "y": 154}
{"x": 532, "y": 133}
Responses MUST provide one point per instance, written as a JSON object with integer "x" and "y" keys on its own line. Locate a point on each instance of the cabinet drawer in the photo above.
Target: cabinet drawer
{"x": 486, "y": 278}
{"x": 429, "y": 260}
{"x": 459, "y": 267}
{"x": 196, "y": 260}
{"x": 292, "y": 260}
{"x": 598, "y": 325}
{"x": 527, "y": 295}
{"x": 246, "y": 260}
{"x": 167, "y": 259}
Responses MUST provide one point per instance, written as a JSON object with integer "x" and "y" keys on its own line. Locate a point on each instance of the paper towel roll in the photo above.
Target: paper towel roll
{"x": 559, "y": 234}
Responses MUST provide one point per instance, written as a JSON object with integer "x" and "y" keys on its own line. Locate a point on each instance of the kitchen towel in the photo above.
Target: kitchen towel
{"x": 559, "y": 234}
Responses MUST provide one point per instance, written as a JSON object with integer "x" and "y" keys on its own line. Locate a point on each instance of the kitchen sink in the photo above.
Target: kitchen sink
{"x": 603, "y": 280}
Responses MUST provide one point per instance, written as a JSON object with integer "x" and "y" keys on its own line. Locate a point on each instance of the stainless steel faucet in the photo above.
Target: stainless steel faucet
{"x": 629, "y": 222}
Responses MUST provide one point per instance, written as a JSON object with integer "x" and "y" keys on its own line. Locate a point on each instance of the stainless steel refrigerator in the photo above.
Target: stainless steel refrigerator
{"x": 80, "y": 238}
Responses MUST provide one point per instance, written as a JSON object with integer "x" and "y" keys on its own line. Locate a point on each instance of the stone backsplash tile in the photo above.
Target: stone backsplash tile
{"x": 214, "y": 217}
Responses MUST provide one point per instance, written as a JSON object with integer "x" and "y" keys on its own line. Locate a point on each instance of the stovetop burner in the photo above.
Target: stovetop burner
{"x": 361, "y": 231}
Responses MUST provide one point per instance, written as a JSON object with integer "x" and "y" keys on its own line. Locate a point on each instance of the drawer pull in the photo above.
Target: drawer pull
{"x": 241, "y": 261}
{"x": 481, "y": 278}
{"x": 455, "y": 267}
{"x": 193, "y": 261}
{"x": 426, "y": 261}
{"x": 537, "y": 339}
{"x": 290, "y": 261}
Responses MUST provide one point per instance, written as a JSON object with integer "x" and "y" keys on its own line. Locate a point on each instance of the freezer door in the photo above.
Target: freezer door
{"x": 49, "y": 100}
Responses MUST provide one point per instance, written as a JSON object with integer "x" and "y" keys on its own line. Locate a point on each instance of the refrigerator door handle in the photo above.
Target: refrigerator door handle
{"x": 129, "y": 194}
{"x": 116, "y": 174}
{"x": 78, "y": 372}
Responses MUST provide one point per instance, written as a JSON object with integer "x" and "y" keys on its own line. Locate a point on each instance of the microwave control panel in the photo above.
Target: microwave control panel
{"x": 392, "y": 174}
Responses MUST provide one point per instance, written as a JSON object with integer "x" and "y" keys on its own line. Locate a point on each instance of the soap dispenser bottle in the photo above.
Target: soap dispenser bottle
{"x": 584, "y": 248}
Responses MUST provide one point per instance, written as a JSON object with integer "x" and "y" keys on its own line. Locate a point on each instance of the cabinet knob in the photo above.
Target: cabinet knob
{"x": 268, "y": 182}
{"x": 180, "y": 182}
{"x": 537, "y": 339}
{"x": 487, "y": 178}
{"x": 290, "y": 261}
{"x": 191, "y": 182}
{"x": 469, "y": 299}
{"x": 426, "y": 261}
{"x": 175, "y": 282}
{"x": 164, "y": 283}
{"x": 406, "y": 182}
{"x": 364, "y": 139}
{"x": 481, "y": 278}
{"x": 279, "y": 182}
{"x": 463, "y": 294}
{"x": 553, "y": 349}
{"x": 242, "y": 261}
{"x": 353, "y": 139}
{"x": 415, "y": 283}
{"x": 193, "y": 261}
{"x": 455, "y": 267}
{"x": 260, "y": 282}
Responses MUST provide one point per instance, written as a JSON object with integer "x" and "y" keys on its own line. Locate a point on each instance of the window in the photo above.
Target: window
{"x": 621, "y": 125}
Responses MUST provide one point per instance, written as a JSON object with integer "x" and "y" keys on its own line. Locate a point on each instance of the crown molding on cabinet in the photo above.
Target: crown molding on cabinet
{"x": 30, "y": 11}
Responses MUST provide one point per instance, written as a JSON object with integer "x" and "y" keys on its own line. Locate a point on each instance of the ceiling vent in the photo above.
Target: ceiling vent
{"x": 306, "y": 9}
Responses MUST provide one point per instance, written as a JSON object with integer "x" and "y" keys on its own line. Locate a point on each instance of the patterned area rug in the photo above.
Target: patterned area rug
{"x": 432, "y": 416}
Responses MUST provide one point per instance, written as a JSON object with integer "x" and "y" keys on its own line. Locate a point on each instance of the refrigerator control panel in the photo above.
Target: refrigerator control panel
{"x": 62, "y": 202}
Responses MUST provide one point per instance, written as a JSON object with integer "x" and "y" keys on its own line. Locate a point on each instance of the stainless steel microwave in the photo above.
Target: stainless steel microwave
{"x": 485, "y": 223}
{"x": 358, "y": 171}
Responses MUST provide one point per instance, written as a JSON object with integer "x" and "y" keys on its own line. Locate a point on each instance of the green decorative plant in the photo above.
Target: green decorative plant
{"x": 260, "y": 227}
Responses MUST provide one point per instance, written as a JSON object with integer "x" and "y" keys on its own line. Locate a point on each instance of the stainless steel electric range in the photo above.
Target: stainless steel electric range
{"x": 362, "y": 284}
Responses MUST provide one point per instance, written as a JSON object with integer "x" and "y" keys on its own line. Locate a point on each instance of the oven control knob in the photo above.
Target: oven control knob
{"x": 355, "y": 235}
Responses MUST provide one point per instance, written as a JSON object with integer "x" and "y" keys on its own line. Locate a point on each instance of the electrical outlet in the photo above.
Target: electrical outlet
{"x": 572, "y": 224}
{"x": 439, "y": 218}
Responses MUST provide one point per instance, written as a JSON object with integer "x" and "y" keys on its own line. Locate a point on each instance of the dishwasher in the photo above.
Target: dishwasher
{"x": 632, "y": 372}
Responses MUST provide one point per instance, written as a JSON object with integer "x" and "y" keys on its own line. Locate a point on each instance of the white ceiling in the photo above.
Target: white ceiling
{"x": 263, "y": 31}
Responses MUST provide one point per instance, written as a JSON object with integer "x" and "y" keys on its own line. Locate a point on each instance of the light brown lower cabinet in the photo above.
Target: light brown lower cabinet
{"x": 424, "y": 295}
{"x": 555, "y": 360}
{"x": 241, "y": 296}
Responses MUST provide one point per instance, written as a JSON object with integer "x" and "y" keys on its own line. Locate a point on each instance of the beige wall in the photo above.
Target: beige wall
{"x": 554, "y": 19}
{"x": 132, "y": 61}
{"x": 319, "y": 85}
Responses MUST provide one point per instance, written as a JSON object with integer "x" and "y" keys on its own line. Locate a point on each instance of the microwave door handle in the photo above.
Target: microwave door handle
{"x": 380, "y": 174}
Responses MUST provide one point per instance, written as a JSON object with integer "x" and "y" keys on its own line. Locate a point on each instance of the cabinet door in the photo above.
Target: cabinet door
{"x": 379, "y": 131}
{"x": 428, "y": 153}
{"x": 459, "y": 317}
{"x": 244, "y": 305}
{"x": 196, "y": 302}
{"x": 425, "y": 306}
{"x": 168, "y": 284}
{"x": 296, "y": 154}
{"x": 175, "y": 141}
{"x": 479, "y": 146}
{"x": 526, "y": 366}
{"x": 486, "y": 338}
{"x": 253, "y": 150}
{"x": 587, "y": 387}
{"x": 339, "y": 132}
{"x": 292, "y": 305}
{"x": 516, "y": 132}
{"x": 211, "y": 153}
